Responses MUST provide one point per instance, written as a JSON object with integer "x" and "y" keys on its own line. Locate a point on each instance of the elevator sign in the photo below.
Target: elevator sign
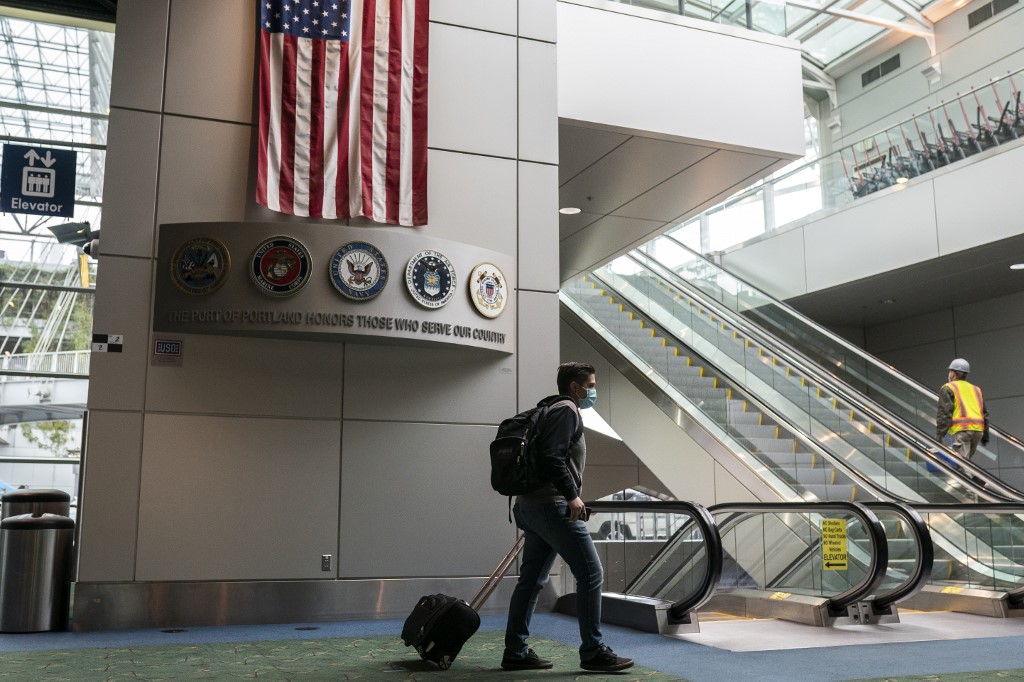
{"x": 833, "y": 544}
{"x": 38, "y": 180}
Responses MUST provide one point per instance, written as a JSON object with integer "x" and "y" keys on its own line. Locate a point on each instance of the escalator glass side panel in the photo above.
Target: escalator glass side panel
{"x": 980, "y": 550}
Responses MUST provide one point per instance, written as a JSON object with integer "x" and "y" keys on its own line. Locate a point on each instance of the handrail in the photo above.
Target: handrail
{"x": 795, "y": 358}
{"x": 925, "y": 555}
{"x": 709, "y": 531}
{"x": 838, "y": 604}
{"x": 861, "y": 354}
{"x": 796, "y": 432}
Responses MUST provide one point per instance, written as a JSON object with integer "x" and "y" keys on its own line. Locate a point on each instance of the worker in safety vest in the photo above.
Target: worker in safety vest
{"x": 962, "y": 412}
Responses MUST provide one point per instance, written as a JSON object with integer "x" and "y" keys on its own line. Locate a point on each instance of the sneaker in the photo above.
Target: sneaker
{"x": 607, "y": 661}
{"x": 531, "y": 661}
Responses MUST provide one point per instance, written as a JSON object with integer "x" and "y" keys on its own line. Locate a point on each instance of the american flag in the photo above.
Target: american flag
{"x": 343, "y": 109}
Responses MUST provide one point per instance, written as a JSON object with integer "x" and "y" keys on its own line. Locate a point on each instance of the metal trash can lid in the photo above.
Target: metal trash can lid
{"x": 41, "y": 522}
{"x": 29, "y": 495}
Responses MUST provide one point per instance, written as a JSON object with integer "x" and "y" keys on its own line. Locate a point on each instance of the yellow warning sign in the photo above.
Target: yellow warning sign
{"x": 780, "y": 596}
{"x": 952, "y": 589}
{"x": 833, "y": 544}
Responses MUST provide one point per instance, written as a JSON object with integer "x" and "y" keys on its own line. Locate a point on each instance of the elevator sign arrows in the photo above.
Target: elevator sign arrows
{"x": 38, "y": 180}
{"x": 833, "y": 544}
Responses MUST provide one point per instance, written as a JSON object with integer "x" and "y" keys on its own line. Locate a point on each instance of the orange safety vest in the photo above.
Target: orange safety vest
{"x": 968, "y": 414}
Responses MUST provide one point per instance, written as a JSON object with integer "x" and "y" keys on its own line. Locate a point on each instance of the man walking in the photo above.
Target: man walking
{"x": 552, "y": 520}
{"x": 962, "y": 412}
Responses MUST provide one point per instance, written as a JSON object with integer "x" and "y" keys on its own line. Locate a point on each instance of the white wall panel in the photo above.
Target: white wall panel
{"x": 130, "y": 176}
{"x": 489, "y": 15}
{"x": 117, "y": 380}
{"x": 538, "y": 102}
{"x": 137, "y": 79}
{"x": 647, "y": 76}
{"x": 472, "y": 199}
{"x": 238, "y": 499}
{"x": 404, "y": 383}
{"x": 861, "y": 241}
{"x": 934, "y": 326}
{"x": 204, "y": 167}
{"x": 775, "y": 264}
{"x": 537, "y": 19}
{"x": 925, "y": 362}
{"x": 980, "y": 202}
{"x": 408, "y": 490}
{"x": 250, "y": 376}
{"x": 990, "y": 315}
{"x": 538, "y": 227}
{"x": 211, "y": 59}
{"x": 472, "y": 100}
{"x": 995, "y": 359}
{"x": 538, "y": 350}
{"x": 109, "y": 513}
{"x": 1007, "y": 414}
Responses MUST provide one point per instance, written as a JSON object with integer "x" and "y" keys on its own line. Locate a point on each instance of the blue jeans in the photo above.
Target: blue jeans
{"x": 549, "y": 533}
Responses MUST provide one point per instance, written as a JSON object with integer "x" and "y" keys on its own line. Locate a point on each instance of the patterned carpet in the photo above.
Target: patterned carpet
{"x": 370, "y": 658}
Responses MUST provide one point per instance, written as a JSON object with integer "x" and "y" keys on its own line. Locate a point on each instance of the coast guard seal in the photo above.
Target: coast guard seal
{"x": 200, "y": 266}
{"x": 280, "y": 266}
{"x": 488, "y": 290}
{"x": 359, "y": 271}
{"x": 430, "y": 278}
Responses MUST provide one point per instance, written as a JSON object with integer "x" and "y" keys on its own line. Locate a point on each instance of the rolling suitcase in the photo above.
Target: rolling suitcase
{"x": 440, "y": 624}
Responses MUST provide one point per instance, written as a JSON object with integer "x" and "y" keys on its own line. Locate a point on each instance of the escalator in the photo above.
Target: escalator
{"x": 805, "y": 434}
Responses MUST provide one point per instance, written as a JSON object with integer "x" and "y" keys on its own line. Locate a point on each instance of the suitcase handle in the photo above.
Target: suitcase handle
{"x": 497, "y": 574}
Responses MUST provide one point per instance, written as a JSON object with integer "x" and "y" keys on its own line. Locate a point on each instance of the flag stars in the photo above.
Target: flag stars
{"x": 305, "y": 11}
{"x": 305, "y": 29}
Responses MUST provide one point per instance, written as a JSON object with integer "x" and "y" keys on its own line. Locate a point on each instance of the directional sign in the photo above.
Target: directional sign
{"x": 833, "y": 544}
{"x": 38, "y": 180}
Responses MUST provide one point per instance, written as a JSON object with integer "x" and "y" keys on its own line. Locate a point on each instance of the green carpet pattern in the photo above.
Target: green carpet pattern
{"x": 1008, "y": 675}
{"x": 370, "y": 658}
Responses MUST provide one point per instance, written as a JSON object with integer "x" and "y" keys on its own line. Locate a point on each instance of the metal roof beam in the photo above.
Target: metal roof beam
{"x": 910, "y": 29}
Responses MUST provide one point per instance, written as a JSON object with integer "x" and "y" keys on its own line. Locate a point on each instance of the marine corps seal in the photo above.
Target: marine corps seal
{"x": 200, "y": 266}
{"x": 359, "y": 271}
{"x": 430, "y": 278}
{"x": 488, "y": 290}
{"x": 280, "y": 266}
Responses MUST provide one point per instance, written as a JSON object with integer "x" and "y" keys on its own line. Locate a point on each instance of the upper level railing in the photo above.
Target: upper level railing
{"x": 61, "y": 362}
{"x": 981, "y": 119}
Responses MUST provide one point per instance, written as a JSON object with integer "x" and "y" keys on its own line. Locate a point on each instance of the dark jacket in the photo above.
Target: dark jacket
{"x": 561, "y": 452}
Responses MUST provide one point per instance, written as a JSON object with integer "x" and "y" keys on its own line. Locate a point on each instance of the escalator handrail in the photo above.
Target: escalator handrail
{"x": 838, "y": 604}
{"x": 709, "y": 531}
{"x": 918, "y": 440}
{"x": 792, "y": 429}
{"x": 925, "y": 553}
{"x": 855, "y": 350}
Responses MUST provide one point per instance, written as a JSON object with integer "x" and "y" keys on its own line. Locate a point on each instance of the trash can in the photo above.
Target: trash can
{"x": 29, "y": 501}
{"x": 35, "y": 572}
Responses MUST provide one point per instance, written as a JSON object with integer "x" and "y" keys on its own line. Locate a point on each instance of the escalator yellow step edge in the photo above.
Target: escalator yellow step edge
{"x": 832, "y": 481}
{"x": 676, "y": 353}
{"x": 778, "y": 430}
{"x": 728, "y": 394}
{"x": 853, "y": 494}
{"x": 814, "y": 458}
{"x": 794, "y": 446}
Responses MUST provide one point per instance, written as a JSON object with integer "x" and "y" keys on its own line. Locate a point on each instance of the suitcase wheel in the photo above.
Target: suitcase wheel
{"x": 445, "y": 662}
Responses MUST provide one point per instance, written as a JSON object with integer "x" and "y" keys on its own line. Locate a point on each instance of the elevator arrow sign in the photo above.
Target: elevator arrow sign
{"x": 834, "y": 556}
{"x": 38, "y": 180}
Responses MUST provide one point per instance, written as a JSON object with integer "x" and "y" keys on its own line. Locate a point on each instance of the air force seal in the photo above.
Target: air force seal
{"x": 488, "y": 290}
{"x": 280, "y": 266}
{"x": 430, "y": 278}
{"x": 359, "y": 271}
{"x": 200, "y": 266}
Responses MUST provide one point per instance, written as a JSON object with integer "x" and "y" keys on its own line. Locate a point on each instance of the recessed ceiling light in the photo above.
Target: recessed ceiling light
{"x": 569, "y": 210}
{"x": 902, "y": 180}
{"x": 887, "y": 301}
{"x": 1017, "y": 266}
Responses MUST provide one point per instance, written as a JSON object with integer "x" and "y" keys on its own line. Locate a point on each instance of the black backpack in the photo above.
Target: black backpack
{"x": 514, "y": 469}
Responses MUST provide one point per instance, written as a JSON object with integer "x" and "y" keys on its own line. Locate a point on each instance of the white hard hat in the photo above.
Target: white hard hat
{"x": 960, "y": 365}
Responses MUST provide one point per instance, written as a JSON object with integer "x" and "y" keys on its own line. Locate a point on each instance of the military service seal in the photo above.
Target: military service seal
{"x": 359, "y": 271}
{"x": 280, "y": 266}
{"x": 200, "y": 266}
{"x": 430, "y": 278}
{"x": 488, "y": 290}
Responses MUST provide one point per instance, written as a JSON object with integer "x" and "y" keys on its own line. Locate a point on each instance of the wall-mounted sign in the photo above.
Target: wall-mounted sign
{"x": 487, "y": 290}
{"x": 166, "y": 353}
{"x": 38, "y": 180}
{"x": 200, "y": 266}
{"x": 107, "y": 343}
{"x": 430, "y": 278}
{"x": 359, "y": 271}
{"x": 280, "y": 266}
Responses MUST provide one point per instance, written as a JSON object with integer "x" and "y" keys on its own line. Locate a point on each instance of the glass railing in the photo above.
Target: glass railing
{"x": 765, "y": 17}
{"x": 800, "y": 403}
{"x": 912, "y": 403}
{"x": 983, "y": 118}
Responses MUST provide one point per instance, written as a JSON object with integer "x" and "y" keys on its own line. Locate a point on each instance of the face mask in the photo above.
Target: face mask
{"x": 590, "y": 400}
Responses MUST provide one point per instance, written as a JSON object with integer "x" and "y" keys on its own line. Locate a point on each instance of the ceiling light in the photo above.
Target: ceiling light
{"x": 569, "y": 210}
{"x": 1017, "y": 266}
{"x": 887, "y": 301}
{"x": 902, "y": 180}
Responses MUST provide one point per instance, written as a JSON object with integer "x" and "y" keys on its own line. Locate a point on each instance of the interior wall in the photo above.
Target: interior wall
{"x": 988, "y": 334}
{"x": 967, "y": 58}
{"x": 257, "y": 457}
